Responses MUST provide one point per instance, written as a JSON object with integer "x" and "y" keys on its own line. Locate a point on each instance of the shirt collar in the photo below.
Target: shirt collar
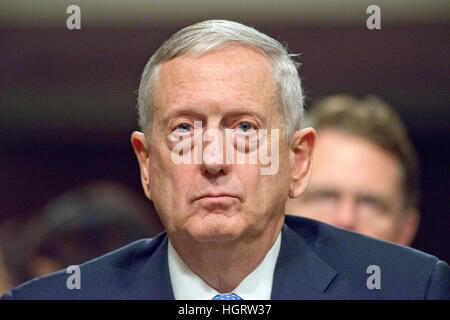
{"x": 186, "y": 285}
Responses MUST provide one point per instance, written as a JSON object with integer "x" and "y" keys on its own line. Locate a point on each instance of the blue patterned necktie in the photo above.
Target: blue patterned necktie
{"x": 227, "y": 296}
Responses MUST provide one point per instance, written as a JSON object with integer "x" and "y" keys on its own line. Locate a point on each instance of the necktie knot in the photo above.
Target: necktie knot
{"x": 227, "y": 296}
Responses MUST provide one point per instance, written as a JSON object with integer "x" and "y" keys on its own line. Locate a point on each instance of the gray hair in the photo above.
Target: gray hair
{"x": 204, "y": 36}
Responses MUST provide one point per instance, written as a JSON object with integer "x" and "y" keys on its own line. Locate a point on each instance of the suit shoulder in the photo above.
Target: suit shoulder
{"x": 102, "y": 277}
{"x": 405, "y": 271}
{"x": 322, "y": 236}
{"x": 129, "y": 257}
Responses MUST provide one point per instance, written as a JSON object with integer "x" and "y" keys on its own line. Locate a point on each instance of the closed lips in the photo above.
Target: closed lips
{"x": 221, "y": 195}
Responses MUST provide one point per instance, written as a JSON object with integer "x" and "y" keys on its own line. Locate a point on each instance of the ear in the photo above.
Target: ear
{"x": 143, "y": 157}
{"x": 301, "y": 150}
{"x": 409, "y": 228}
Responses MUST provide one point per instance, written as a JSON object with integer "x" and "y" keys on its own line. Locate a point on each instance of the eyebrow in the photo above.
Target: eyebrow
{"x": 180, "y": 111}
{"x": 376, "y": 198}
{"x": 379, "y": 198}
{"x": 313, "y": 191}
{"x": 233, "y": 112}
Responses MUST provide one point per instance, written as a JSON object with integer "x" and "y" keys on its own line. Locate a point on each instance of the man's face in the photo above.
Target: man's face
{"x": 355, "y": 185}
{"x": 228, "y": 89}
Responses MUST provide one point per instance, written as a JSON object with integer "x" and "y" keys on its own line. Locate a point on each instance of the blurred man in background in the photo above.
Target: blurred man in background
{"x": 365, "y": 171}
{"x": 77, "y": 226}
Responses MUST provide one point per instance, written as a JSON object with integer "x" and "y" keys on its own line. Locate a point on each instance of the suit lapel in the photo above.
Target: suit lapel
{"x": 152, "y": 281}
{"x": 299, "y": 272}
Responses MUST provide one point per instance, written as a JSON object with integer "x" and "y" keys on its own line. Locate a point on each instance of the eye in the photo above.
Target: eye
{"x": 184, "y": 127}
{"x": 373, "y": 203}
{"x": 323, "y": 196}
{"x": 245, "y": 126}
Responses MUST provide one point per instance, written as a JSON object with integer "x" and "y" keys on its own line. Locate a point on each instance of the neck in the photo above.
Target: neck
{"x": 223, "y": 265}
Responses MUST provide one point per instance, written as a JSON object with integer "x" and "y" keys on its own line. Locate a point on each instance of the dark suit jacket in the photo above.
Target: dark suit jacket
{"x": 316, "y": 261}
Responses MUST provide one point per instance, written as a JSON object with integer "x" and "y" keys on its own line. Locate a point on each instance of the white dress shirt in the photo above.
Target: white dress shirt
{"x": 186, "y": 285}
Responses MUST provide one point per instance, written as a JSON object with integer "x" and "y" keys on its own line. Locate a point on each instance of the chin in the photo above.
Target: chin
{"x": 216, "y": 228}
{"x": 217, "y": 238}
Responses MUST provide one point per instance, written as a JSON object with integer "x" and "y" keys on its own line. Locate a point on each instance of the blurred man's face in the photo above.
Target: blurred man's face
{"x": 228, "y": 89}
{"x": 356, "y": 185}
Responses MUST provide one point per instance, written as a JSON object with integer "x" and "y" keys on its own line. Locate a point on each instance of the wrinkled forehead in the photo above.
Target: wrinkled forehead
{"x": 234, "y": 76}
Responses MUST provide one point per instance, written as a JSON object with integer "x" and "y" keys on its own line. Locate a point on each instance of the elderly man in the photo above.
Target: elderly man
{"x": 212, "y": 96}
{"x": 365, "y": 171}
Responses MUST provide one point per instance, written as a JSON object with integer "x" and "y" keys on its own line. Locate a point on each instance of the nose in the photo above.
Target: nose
{"x": 213, "y": 158}
{"x": 345, "y": 215}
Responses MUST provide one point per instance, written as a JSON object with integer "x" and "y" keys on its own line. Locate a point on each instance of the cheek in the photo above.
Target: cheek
{"x": 279, "y": 184}
{"x": 248, "y": 177}
{"x": 383, "y": 226}
{"x": 264, "y": 192}
{"x": 168, "y": 184}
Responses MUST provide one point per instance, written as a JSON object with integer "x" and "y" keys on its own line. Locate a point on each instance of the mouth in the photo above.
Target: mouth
{"x": 218, "y": 196}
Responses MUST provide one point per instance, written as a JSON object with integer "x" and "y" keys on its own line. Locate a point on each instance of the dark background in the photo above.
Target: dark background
{"x": 67, "y": 101}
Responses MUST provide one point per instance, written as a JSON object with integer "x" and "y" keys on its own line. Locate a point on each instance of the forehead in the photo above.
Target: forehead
{"x": 350, "y": 163}
{"x": 235, "y": 76}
